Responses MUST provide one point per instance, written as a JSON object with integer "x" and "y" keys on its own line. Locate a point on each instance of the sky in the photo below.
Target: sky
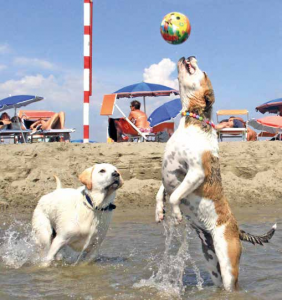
{"x": 237, "y": 42}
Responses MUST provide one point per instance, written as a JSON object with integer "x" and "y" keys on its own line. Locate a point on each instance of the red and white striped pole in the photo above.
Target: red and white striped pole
{"x": 88, "y": 19}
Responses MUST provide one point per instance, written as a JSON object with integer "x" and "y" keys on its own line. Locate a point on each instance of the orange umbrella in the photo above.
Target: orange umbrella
{"x": 272, "y": 124}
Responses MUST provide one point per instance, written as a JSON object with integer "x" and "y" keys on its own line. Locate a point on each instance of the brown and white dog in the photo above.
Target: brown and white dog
{"x": 78, "y": 218}
{"x": 191, "y": 178}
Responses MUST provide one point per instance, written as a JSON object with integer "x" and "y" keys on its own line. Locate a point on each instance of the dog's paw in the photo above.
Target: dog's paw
{"x": 160, "y": 215}
{"x": 176, "y": 214}
{"x": 45, "y": 264}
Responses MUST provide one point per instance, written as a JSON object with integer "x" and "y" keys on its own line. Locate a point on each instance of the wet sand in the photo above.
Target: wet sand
{"x": 251, "y": 171}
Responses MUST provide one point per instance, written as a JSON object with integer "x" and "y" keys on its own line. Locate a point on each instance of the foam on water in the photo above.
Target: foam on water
{"x": 171, "y": 266}
{"x": 17, "y": 246}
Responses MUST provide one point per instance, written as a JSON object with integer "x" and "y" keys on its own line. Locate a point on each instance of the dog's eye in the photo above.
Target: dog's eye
{"x": 102, "y": 171}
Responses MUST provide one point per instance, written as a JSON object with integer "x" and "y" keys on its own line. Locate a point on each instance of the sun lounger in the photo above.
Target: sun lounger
{"x": 15, "y": 134}
{"x": 127, "y": 127}
{"x": 30, "y": 116}
{"x": 55, "y": 134}
{"x": 232, "y": 132}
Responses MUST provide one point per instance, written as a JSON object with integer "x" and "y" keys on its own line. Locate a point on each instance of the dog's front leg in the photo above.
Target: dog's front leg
{"x": 160, "y": 199}
{"x": 193, "y": 179}
{"x": 56, "y": 245}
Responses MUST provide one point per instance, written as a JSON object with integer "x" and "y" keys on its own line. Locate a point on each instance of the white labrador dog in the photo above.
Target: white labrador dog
{"x": 78, "y": 218}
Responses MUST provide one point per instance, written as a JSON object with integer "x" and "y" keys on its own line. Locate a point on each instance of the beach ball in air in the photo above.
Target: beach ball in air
{"x": 175, "y": 28}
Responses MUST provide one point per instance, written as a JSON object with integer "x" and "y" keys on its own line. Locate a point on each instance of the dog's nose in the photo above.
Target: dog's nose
{"x": 190, "y": 58}
{"x": 115, "y": 174}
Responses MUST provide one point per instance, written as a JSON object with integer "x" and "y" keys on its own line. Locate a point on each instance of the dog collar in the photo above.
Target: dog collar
{"x": 110, "y": 207}
{"x": 190, "y": 114}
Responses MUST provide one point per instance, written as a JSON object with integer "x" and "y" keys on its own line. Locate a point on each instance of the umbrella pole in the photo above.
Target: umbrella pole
{"x": 144, "y": 102}
{"x": 18, "y": 122}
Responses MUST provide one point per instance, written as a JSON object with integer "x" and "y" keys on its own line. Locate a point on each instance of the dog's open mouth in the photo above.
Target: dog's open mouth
{"x": 189, "y": 67}
{"x": 114, "y": 185}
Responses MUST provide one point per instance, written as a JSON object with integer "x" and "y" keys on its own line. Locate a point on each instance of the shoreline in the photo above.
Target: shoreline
{"x": 251, "y": 171}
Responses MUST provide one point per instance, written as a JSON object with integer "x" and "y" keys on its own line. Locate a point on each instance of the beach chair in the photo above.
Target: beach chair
{"x": 232, "y": 132}
{"x": 132, "y": 132}
{"x": 30, "y": 116}
{"x": 14, "y": 131}
{"x": 16, "y": 135}
{"x": 107, "y": 109}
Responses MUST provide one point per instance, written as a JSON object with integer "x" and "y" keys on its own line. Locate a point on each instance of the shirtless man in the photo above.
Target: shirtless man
{"x": 138, "y": 117}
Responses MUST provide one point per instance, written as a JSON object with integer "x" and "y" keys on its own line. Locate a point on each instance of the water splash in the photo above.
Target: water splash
{"x": 170, "y": 271}
{"x": 17, "y": 245}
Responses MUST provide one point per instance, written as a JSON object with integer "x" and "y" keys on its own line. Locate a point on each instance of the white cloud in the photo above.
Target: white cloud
{"x": 34, "y": 62}
{"x": 4, "y": 48}
{"x": 160, "y": 73}
{"x": 59, "y": 92}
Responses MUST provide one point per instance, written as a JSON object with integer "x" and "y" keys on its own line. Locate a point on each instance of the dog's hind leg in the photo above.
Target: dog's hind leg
{"x": 57, "y": 243}
{"x": 43, "y": 230}
{"x": 228, "y": 249}
{"x": 160, "y": 200}
{"x": 209, "y": 255}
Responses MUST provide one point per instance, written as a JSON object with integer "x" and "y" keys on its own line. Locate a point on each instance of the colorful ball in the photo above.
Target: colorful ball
{"x": 175, "y": 28}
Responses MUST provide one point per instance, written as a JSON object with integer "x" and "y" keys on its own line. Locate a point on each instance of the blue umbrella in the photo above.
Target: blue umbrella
{"x": 273, "y": 106}
{"x": 165, "y": 112}
{"x": 81, "y": 141}
{"x": 144, "y": 89}
{"x": 18, "y": 101}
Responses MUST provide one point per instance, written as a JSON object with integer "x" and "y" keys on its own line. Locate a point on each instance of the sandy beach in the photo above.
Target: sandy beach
{"x": 251, "y": 171}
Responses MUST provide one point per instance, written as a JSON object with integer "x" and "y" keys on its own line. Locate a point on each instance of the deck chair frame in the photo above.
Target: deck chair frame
{"x": 108, "y": 111}
{"x": 232, "y": 132}
{"x": 50, "y": 133}
{"x": 13, "y": 133}
{"x": 43, "y": 134}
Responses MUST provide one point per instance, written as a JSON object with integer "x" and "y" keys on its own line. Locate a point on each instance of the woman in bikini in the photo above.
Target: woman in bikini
{"x": 57, "y": 121}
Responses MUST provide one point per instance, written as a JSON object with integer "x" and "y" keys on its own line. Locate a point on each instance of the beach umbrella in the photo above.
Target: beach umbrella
{"x": 273, "y": 106}
{"x": 145, "y": 89}
{"x": 18, "y": 101}
{"x": 271, "y": 124}
{"x": 165, "y": 112}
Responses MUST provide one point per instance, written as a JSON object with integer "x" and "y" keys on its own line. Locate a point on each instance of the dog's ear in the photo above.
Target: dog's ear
{"x": 86, "y": 177}
{"x": 121, "y": 182}
{"x": 209, "y": 93}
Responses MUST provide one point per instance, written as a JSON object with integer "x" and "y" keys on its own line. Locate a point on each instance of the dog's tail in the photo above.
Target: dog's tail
{"x": 58, "y": 181}
{"x": 257, "y": 239}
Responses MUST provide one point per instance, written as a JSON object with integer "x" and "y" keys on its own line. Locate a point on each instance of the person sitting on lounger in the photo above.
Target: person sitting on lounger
{"x": 138, "y": 117}
{"x": 5, "y": 121}
{"x": 57, "y": 121}
{"x": 233, "y": 122}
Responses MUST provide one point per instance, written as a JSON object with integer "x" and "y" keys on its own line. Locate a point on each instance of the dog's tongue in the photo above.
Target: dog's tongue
{"x": 191, "y": 69}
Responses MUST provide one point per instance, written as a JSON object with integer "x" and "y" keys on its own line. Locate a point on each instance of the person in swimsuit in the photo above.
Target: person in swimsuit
{"x": 57, "y": 121}
{"x": 5, "y": 121}
{"x": 233, "y": 122}
{"x": 138, "y": 117}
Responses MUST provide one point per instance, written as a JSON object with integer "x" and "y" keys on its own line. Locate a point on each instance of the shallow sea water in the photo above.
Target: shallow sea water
{"x": 140, "y": 260}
